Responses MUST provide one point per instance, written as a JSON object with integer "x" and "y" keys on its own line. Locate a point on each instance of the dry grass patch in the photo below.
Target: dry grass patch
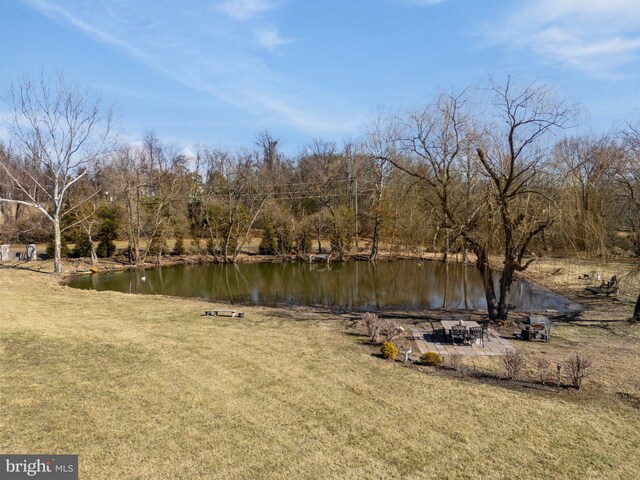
{"x": 144, "y": 387}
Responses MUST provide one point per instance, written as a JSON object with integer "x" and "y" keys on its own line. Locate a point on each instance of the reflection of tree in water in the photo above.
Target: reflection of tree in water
{"x": 373, "y": 271}
{"x": 465, "y": 286}
{"x": 445, "y": 284}
{"x": 226, "y": 280}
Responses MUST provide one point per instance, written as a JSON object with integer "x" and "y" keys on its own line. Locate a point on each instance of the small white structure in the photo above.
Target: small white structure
{"x": 4, "y": 253}
{"x": 406, "y": 354}
{"x": 31, "y": 253}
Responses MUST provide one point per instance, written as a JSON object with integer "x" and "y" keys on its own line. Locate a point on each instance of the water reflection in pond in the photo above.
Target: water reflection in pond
{"x": 351, "y": 285}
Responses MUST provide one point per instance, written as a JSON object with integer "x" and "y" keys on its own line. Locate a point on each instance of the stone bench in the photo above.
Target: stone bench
{"x": 223, "y": 313}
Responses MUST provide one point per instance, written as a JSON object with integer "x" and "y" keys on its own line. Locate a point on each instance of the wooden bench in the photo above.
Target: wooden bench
{"x": 223, "y": 313}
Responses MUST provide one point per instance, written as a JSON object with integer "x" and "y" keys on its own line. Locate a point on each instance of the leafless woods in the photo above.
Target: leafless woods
{"x": 496, "y": 171}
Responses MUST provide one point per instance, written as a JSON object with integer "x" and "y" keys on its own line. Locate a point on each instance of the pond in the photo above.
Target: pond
{"x": 350, "y": 285}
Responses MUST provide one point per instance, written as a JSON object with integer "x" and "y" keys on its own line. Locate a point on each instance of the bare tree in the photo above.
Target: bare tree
{"x": 151, "y": 180}
{"x": 379, "y": 146}
{"x": 448, "y": 153}
{"x": 513, "y": 154}
{"x": 85, "y": 214}
{"x": 584, "y": 167}
{"x": 436, "y": 140}
{"x": 628, "y": 175}
{"x": 166, "y": 178}
{"x": 128, "y": 180}
{"x": 578, "y": 368}
{"x": 234, "y": 197}
{"x": 62, "y": 132}
{"x": 322, "y": 171}
{"x": 513, "y": 363}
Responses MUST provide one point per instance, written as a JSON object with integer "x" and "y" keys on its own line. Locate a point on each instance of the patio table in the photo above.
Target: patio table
{"x": 447, "y": 324}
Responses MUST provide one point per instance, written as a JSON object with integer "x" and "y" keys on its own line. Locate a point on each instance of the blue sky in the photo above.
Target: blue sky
{"x": 220, "y": 71}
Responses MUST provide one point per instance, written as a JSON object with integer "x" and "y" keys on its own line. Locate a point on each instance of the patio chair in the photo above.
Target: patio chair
{"x": 458, "y": 332}
{"x": 476, "y": 333}
{"x": 606, "y": 288}
{"x": 485, "y": 330}
{"x": 437, "y": 333}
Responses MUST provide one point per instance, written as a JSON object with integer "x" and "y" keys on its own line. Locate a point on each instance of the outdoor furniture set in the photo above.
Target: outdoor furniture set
{"x": 462, "y": 332}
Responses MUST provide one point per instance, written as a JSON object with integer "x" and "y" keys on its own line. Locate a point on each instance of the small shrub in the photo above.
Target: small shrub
{"x": 64, "y": 248}
{"x": 105, "y": 248}
{"x": 371, "y": 323}
{"x": 109, "y": 217}
{"x": 178, "y": 248}
{"x": 157, "y": 246}
{"x": 542, "y": 366}
{"x": 578, "y": 368}
{"x": 284, "y": 241}
{"x": 389, "y": 350}
{"x": 303, "y": 241}
{"x": 389, "y": 329}
{"x": 454, "y": 361}
{"x": 513, "y": 363}
{"x": 212, "y": 247}
{"x": 432, "y": 359}
{"x": 268, "y": 244}
{"x": 82, "y": 248}
{"x": 377, "y": 328}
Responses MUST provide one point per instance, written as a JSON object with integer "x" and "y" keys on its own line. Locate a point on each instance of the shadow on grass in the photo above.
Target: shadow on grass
{"x": 24, "y": 266}
{"x": 467, "y": 374}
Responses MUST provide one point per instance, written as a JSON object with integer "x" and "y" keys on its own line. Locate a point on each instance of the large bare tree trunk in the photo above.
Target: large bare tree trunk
{"x": 57, "y": 243}
{"x": 133, "y": 230}
{"x": 94, "y": 256}
{"x": 482, "y": 263}
{"x": 247, "y": 233}
{"x": 506, "y": 280}
{"x": 373, "y": 256}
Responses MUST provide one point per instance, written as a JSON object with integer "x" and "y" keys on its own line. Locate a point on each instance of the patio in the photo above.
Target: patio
{"x": 427, "y": 341}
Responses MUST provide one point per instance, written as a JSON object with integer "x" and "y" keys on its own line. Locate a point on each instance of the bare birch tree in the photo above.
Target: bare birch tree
{"x": 62, "y": 131}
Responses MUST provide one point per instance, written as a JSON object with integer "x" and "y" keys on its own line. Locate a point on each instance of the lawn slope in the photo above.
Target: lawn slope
{"x": 144, "y": 387}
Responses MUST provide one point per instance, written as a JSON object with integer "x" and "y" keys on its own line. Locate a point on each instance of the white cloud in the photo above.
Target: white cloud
{"x": 271, "y": 39}
{"x": 187, "y": 151}
{"x": 594, "y": 36}
{"x": 201, "y": 49}
{"x": 54, "y": 11}
{"x": 245, "y": 9}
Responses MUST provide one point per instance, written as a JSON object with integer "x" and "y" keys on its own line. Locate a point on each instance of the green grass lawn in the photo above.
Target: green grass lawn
{"x": 144, "y": 387}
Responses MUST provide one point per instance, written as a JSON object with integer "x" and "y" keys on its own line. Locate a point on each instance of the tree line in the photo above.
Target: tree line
{"x": 491, "y": 171}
